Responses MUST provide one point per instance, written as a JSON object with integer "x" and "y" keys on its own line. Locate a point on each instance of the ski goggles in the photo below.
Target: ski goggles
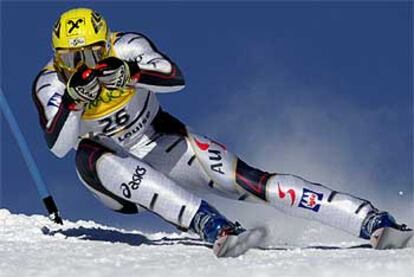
{"x": 70, "y": 59}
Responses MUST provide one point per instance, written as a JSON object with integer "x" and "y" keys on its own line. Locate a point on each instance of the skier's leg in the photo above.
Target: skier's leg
{"x": 87, "y": 157}
{"x": 123, "y": 182}
{"x": 299, "y": 197}
{"x": 289, "y": 193}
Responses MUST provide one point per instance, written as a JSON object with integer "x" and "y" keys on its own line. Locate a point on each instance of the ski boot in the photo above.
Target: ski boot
{"x": 383, "y": 231}
{"x": 229, "y": 239}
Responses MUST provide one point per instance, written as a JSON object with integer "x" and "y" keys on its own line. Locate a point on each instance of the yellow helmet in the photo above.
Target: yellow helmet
{"x": 78, "y": 28}
{"x": 80, "y": 36}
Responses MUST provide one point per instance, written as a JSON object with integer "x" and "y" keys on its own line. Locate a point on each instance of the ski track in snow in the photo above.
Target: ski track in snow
{"x": 32, "y": 246}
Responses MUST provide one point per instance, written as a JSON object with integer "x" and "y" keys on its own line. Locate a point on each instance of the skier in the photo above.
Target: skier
{"x": 98, "y": 96}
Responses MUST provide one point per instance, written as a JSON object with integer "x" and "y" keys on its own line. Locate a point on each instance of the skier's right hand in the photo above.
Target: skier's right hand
{"x": 83, "y": 86}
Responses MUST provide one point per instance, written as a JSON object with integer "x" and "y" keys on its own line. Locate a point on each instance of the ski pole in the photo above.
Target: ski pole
{"x": 31, "y": 164}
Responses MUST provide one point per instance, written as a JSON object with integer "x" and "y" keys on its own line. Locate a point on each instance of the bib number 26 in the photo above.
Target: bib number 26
{"x": 113, "y": 122}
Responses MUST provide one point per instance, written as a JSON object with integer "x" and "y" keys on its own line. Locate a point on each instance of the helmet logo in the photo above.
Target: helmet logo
{"x": 56, "y": 28}
{"x": 72, "y": 26}
{"x": 77, "y": 41}
{"x": 96, "y": 20}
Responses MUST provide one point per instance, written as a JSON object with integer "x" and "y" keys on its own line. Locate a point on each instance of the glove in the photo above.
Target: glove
{"x": 83, "y": 85}
{"x": 113, "y": 73}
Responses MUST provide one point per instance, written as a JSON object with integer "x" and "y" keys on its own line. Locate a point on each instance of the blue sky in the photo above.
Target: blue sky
{"x": 319, "y": 89}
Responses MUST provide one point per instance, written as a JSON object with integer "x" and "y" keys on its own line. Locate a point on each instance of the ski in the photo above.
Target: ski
{"x": 236, "y": 245}
{"x": 391, "y": 238}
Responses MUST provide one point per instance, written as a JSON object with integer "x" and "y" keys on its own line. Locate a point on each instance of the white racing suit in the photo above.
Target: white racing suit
{"x": 131, "y": 154}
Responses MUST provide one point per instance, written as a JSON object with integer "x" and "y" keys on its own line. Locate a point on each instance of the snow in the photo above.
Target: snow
{"x": 33, "y": 246}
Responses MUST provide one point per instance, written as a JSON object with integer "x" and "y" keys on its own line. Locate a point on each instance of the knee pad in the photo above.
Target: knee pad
{"x": 88, "y": 153}
{"x": 252, "y": 180}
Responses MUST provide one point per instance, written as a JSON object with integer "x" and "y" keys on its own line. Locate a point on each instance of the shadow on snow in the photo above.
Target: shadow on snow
{"x": 115, "y": 236}
{"x": 134, "y": 239}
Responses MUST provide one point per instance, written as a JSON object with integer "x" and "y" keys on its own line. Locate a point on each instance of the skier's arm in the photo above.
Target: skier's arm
{"x": 149, "y": 68}
{"x": 59, "y": 115}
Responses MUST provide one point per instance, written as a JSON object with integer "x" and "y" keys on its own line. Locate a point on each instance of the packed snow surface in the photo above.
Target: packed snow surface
{"x": 32, "y": 246}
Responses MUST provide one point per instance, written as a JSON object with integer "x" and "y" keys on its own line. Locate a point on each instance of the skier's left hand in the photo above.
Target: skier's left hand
{"x": 113, "y": 73}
